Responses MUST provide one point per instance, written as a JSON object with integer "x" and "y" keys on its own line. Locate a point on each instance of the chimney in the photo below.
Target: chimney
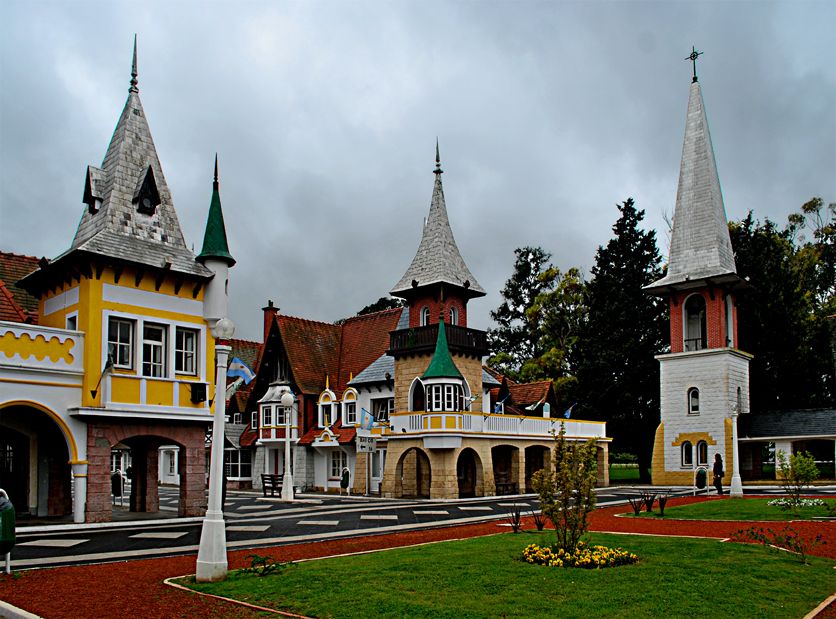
{"x": 269, "y": 314}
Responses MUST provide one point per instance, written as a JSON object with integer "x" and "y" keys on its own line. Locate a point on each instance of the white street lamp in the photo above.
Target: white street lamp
{"x": 736, "y": 488}
{"x": 287, "y": 482}
{"x": 211, "y": 556}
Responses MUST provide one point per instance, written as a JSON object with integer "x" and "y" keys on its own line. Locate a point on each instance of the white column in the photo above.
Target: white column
{"x": 211, "y": 557}
{"x": 79, "y": 490}
{"x": 287, "y": 481}
{"x": 736, "y": 488}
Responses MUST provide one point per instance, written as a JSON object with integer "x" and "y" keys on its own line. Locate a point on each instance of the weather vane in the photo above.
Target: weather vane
{"x": 693, "y": 58}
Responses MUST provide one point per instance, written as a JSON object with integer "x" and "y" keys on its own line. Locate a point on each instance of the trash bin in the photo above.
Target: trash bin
{"x": 7, "y": 524}
{"x": 701, "y": 479}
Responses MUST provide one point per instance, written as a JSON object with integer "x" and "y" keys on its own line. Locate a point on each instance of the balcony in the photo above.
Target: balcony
{"x": 32, "y": 348}
{"x": 455, "y": 424}
{"x": 418, "y": 340}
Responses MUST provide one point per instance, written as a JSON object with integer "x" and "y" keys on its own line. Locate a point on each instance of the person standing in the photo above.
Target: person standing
{"x": 718, "y": 474}
{"x": 344, "y": 481}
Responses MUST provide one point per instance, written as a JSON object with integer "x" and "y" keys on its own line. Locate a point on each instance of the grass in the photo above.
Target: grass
{"x": 621, "y": 473}
{"x": 482, "y": 577}
{"x": 739, "y": 509}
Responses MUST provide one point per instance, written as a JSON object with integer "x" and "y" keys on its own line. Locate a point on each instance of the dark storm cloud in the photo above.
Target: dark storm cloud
{"x": 325, "y": 117}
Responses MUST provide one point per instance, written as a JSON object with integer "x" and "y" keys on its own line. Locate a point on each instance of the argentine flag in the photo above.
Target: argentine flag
{"x": 366, "y": 419}
{"x": 239, "y": 368}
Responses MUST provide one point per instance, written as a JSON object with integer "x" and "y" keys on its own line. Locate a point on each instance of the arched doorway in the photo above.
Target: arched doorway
{"x": 415, "y": 474}
{"x": 506, "y": 462}
{"x": 469, "y": 474}
{"x": 695, "y": 335}
{"x": 536, "y": 459}
{"x": 35, "y": 462}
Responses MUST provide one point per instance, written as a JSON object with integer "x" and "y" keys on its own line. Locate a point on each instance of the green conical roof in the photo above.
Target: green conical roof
{"x": 214, "y": 239}
{"x": 441, "y": 365}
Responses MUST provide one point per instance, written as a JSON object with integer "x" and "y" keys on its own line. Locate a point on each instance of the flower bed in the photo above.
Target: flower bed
{"x": 585, "y": 556}
{"x": 800, "y": 503}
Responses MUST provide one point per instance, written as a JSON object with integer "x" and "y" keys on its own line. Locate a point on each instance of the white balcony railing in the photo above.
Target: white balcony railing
{"x": 451, "y": 423}
{"x": 40, "y": 349}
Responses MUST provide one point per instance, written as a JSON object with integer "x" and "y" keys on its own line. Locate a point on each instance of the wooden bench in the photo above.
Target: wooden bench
{"x": 272, "y": 482}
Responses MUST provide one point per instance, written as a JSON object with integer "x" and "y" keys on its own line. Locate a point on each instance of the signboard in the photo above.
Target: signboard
{"x": 366, "y": 444}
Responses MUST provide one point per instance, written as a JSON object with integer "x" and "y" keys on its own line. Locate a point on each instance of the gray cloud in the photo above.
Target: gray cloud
{"x": 325, "y": 115}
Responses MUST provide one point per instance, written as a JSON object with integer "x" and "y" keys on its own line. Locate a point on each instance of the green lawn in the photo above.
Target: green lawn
{"x": 482, "y": 577}
{"x": 624, "y": 473}
{"x": 739, "y": 509}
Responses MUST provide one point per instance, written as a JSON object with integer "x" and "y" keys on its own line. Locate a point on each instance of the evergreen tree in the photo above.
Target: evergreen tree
{"x": 618, "y": 375}
{"x": 515, "y": 339}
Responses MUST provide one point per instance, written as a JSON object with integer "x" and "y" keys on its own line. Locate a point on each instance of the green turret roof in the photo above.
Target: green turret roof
{"x": 441, "y": 365}
{"x": 214, "y": 239}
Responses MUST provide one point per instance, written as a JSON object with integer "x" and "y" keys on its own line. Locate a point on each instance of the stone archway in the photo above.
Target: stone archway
{"x": 469, "y": 474}
{"x": 537, "y": 457}
{"x": 506, "y": 468}
{"x": 144, "y": 442}
{"x": 415, "y": 474}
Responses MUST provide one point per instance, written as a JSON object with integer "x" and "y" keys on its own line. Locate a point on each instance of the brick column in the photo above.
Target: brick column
{"x": 603, "y": 465}
{"x": 520, "y": 467}
{"x": 192, "y": 469}
{"x": 98, "y": 476}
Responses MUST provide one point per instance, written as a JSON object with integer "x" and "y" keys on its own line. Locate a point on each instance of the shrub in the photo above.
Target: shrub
{"x": 263, "y": 565}
{"x": 583, "y": 556}
{"x": 786, "y": 539}
{"x": 567, "y": 492}
{"x": 515, "y": 518}
{"x": 539, "y": 520}
{"x": 797, "y": 472}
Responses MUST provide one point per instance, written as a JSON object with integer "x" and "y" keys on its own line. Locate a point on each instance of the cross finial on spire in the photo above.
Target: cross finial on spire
{"x": 134, "y": 73}
{"x": 693, "y": 58}
{"x": 215, "y": 182}
{"x": 438, "y": 169}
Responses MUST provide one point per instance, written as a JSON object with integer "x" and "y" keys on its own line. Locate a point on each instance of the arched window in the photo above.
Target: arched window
{"x": 425, "y": 316}
{"x": 687, "y": 454}
{"x": 444, "y": 396}
{"x": 454, "y": 315}
{"x": 328, "y": 408}
{"x": 350, "y": 407}
{"x": 702, "y": 453}
{"x": 693, "y": 401}
{"x": 694, "y": 333}
{"x": 416, "y": 396}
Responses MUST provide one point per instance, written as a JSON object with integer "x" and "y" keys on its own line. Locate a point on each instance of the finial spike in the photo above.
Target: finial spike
{"x": 438, "y": 169}
{"x": 216, "y": 170}
{"x": 134, "y": 73}
{"x": 693, "y": 58}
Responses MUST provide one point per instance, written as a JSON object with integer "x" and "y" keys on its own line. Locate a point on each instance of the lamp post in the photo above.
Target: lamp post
{"x": 287, "y": 482}
{"x": 736, "y": 488}
{"x": 211, "y": 556}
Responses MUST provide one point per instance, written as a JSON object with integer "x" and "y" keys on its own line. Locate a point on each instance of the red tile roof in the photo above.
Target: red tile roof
{"x": 523, "y": 394}
{"x": 15, "y": 303}
{"x": 344, "y": 435}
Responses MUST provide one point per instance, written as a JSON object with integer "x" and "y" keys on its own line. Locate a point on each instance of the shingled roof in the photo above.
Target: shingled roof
{"x": 117, "y": 223}
{"x": 438, "y": 259}
{"x": 700, "y": 244}
{"x": 16, "y": 304}
{"x": 811, "y": 423}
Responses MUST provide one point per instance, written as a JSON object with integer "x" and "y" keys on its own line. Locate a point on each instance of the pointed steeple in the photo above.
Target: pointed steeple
{"x": 442, "y": 365}
{"x": 130, "y": 214}
{"x": 438, "y": 260}
{"x": 214, "y": 239}
{"x": 700, "y": 245}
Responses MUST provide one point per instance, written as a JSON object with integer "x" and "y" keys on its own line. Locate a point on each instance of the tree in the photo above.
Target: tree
{"x": 383, "y": 303}
{"x": 567, "y": 493}
{"x": 783, "y": 313}
{"x": 515, "y": 339}
{"x": 557, "y": 314}
{"x": 796, "y": 473}
{"x": 618, "y": 375}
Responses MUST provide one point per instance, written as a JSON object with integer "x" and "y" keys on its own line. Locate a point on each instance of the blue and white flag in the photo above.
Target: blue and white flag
{"x": 569, "y": 411}
{"x": 239, "y": 368}
{"x": 366, "y": 419}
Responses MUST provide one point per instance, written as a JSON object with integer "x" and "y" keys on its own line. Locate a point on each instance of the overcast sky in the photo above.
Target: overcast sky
{"x": 325, "y": 116}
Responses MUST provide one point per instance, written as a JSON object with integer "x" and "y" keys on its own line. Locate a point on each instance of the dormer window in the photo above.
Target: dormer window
{"x": 694, "y": 333}
{"x": 328, "y": 408}
{"x": 350, "y": 408}
{"x": 92, "y": 189}
{"x": 147, "y": 196}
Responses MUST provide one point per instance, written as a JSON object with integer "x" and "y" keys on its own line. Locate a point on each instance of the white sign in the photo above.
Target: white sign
{"x": 366, "y": 444}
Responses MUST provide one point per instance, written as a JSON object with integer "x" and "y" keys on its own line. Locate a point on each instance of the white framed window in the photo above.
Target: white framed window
{"x": 702, "y": 453}
{"x": 254, "y": 420}
{"x": 349, "y": 413}
{"x": 171, "y": 459}
{"x": 338, "y": 462}
{"x": 435, "y": 397}
{"x": 266, "y": 416}
{"x": 693, "y": 401}
{"x": 687, "y": 454}
{"x": 236, "y": 418}
{"x": 454, "y": 315}
{"x": 120, "y": 338}
{"x": 238, "y": 463}
{"x": 425, "y": 316}
{"x": 382, "y": 408}
{"x": 153, "y": 350}
{"x": 281, "y": 416}
{"x": 451, "y": 400}
{"x": 185, "y": 351}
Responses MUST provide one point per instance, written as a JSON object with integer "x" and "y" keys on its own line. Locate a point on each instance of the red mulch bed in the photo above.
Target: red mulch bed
{"x": 135, "y": 588}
